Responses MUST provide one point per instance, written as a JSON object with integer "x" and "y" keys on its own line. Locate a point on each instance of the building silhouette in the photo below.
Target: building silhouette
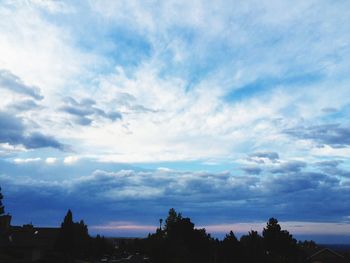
{"x": 25, "y": 243}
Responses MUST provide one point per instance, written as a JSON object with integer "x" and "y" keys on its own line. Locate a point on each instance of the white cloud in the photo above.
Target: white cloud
{"x": 6, "y": 149}
{"x": 27, "y": 160}
{"x": 70, "y": 159}
{"x": 51, "y": 160}
{"x": 330, "y": 152}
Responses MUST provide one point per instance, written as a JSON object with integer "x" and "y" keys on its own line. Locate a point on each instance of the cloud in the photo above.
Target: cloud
{"x": 51, "y": 160}
{"x": 252, "y": 170}
{"x": 289, "y": 167}
{"x": 37, "y": 140}
{"x": 262, "y": 157}
{"x": 85, "y": 110}
{"x": 13, "y": 83}
{"x": 174, "y": 74}
{"x": 28, "y": 160}
{"x": 332, "y": 167}
{"x": 330, "y": 163}
{"x": 209, "y": 196}
{"x": 14, "y": 132}
{"x": 122, "y": 226}
{"x": 23, "y": 105}
{"x": 291, "y": 183}
{"x": 70, "y": 159}
{"x": 8, "y": 149}
{"x": 270, "y": 163}
{"x": 333, "y": 135}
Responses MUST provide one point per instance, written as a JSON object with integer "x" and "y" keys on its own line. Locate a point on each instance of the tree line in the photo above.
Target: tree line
{"x": 179, "y": 241}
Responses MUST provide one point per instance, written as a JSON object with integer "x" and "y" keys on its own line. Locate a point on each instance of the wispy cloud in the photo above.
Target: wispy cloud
{"x": 86, "y": 109}
{"x": 12, "y": 82}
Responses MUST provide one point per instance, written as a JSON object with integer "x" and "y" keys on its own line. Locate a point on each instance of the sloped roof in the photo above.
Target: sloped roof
{"x": 325, "y": 250}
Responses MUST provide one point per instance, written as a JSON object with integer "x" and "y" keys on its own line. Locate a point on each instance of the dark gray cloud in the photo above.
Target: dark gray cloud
{"x": 146, "y": 195}
{"x": 252, "y": 170}
{"x": 13, "y": 131}
{"x": 13, "y": 83}
{"x": 289, "y": 167}
{"x": 333, "y": 135}
{"x": 38, "y": 140}
{"x": 332, "y": 167}
{"x": 299, "y": 182}
{"x": 329, "y": 163}
{"x": 86, "y": 110}
{"x": 261, "y": 157}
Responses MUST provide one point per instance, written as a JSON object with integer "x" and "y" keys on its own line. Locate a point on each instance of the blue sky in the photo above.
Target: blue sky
{"x": 229, "y": 111}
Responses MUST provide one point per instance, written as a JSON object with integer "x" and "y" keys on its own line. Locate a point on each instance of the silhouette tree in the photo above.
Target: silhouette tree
{"x": 2, "y": 208}
{"x": 252, "y": 245}
{"x": 171, "y": 220}
{"x": 230, "y": 249}
{"x": 73, "y": 239}
{"x": 179, "y": 241}
{"x": 280, "y": 246}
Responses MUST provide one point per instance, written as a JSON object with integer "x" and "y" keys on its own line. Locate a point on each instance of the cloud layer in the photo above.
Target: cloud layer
{"x": 225, "y": 197}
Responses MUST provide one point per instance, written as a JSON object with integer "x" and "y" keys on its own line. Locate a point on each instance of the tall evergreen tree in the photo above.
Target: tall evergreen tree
{"x": 230, "y": 249}
{"x": 279, "y": 244}
{"x": 73, "y": 240}
{"x": 253, "y": 249}
{"x": 179, "y": 241}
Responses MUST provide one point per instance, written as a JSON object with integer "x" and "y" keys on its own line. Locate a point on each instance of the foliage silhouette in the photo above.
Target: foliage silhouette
{"x": 73, "y": 239}
{"x": 230, "y": 249}
{"x": 280, "y": 246}
{"x": 2, "y": 208}
{"x": 180, "y": 241}
{"x": 253, "y": 248}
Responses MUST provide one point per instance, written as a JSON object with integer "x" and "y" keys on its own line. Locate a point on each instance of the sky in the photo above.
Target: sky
{"x": 231, "y": 112}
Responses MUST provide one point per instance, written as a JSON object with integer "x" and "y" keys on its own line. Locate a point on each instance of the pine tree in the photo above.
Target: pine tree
{"x": 73, "y": 240}
{"x": 279, "y": 244}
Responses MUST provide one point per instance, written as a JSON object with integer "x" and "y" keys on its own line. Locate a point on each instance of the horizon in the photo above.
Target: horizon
{"x": 301, "y": 231}
{"x": 230, "y": 112}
